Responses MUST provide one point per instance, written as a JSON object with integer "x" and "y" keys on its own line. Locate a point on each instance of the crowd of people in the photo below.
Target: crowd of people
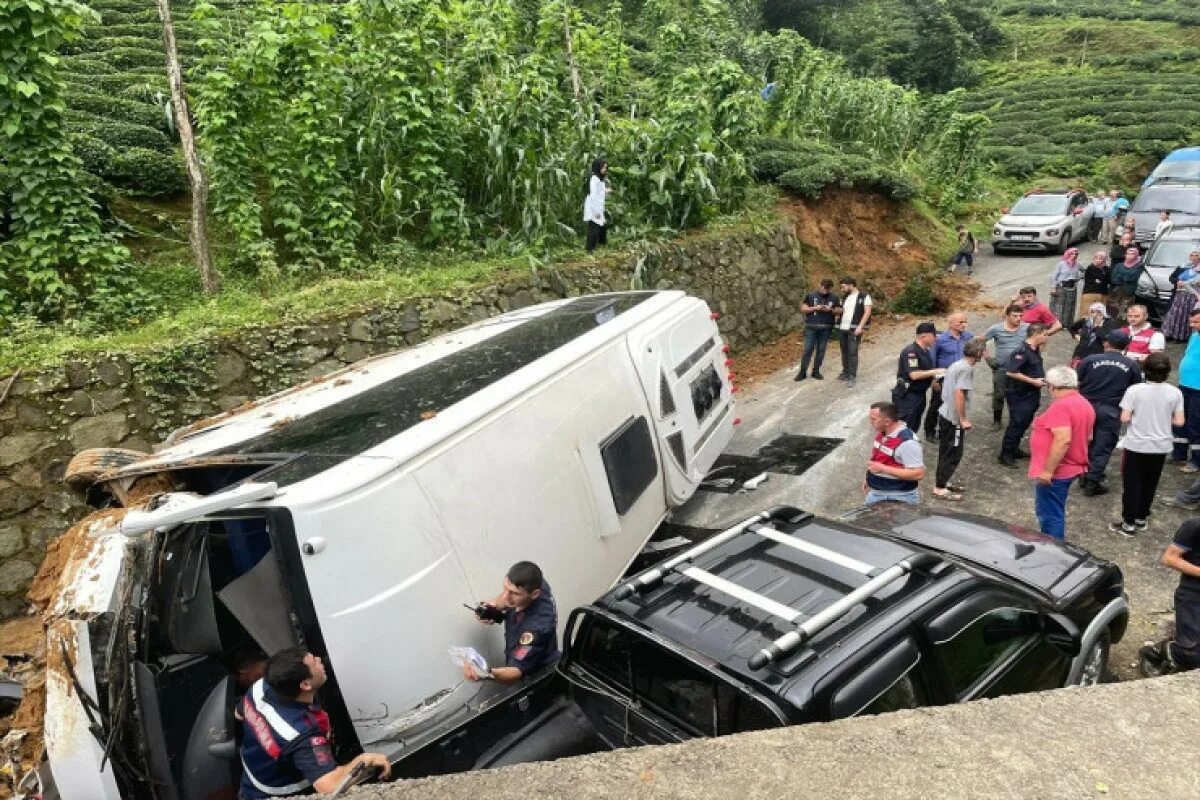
{"x": 1114, "y": 393}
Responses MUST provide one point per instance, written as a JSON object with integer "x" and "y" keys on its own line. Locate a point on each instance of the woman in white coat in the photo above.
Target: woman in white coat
{"x": 593, "y": 205}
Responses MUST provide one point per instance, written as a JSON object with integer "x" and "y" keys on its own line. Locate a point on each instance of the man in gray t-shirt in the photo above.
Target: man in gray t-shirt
{"x": 1008, "y": 336}
{"x": 954, "y": 417}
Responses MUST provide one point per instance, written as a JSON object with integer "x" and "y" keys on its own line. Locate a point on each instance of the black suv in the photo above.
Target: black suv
{"x": 787, "y": 619}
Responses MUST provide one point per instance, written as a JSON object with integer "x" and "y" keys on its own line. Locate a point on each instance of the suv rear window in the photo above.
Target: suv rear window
{"x": 1167, "y": 198}
{"x": 673, "y": 687}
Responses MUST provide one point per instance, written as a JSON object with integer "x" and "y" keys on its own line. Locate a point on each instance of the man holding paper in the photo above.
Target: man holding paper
{"x": 530, "y": 625}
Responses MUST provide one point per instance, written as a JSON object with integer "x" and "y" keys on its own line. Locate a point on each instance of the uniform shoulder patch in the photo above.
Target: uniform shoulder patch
{"x": 526, "y": 638}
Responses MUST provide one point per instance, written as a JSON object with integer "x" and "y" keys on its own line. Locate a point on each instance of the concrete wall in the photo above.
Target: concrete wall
{"x": 755, "y": 279}
{"x": 1128, "y": 740}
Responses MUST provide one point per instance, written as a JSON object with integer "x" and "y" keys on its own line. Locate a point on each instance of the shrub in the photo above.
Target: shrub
{"x": 770, "y": 164}
{"x": 917, "y": 296}
{"x": 97, "y": 156}
{"x": 134, "y": 57}
{"x": 117, "y": 108}
{"x": 147, "y": 172}
{"x": 124, "y": 135}
{"x": 850, "y": 171}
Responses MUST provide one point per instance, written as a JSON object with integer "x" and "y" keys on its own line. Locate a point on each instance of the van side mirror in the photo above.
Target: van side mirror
{"x": 1062, "y": 634}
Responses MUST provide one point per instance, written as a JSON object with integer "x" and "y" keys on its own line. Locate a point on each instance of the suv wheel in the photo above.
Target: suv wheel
{"x": 1064, "y": 242}
{"x": 1095, "y": 663}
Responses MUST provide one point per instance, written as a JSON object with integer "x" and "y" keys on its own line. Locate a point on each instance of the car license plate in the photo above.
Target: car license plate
{"x": 1024, "y": 236}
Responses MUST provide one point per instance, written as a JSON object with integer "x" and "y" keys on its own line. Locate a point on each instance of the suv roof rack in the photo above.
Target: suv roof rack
{"x": 682, "y": 563}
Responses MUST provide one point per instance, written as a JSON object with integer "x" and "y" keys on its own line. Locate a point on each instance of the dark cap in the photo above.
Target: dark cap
{"x": 926, "y": 327}
{"x": 1118, "y": 339}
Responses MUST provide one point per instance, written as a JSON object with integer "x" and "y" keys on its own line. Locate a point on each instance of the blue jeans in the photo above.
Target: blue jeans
{"x": 874, "y": 496}
{"x": 815, "y": 342}
{"x": 1050, "y": 505}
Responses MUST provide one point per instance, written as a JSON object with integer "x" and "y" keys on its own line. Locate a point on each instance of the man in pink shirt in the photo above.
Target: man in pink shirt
{"x": 1036, "y": 310}
{"x": 1058, "y": 449}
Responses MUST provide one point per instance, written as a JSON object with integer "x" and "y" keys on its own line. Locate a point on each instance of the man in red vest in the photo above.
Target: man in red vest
{"x": 896, "y": 464}
{"x": 1143, "y": 339}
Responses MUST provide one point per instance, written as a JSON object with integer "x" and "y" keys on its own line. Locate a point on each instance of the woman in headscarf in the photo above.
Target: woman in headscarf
{"x": 1095, "y": 283}
{"x": 1185, "y": 282}
{"x": 1123, "y": 281}
{"x": 1062, "y": 285}
{"x": 1089, "y": 333}
{"x": 593, "y": 205}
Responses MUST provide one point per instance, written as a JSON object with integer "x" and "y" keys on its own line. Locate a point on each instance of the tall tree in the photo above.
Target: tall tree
{"x": 198, "y": 236}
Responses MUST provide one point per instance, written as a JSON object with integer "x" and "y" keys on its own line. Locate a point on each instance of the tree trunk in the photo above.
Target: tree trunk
{"x": 209, "y": 277}
{"x": 575, "y": 85}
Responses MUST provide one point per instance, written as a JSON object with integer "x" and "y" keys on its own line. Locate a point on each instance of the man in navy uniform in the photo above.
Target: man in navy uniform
{"x": 915, "y": 372}
{"x": 530, "y": 625}
{"x": 1026, "y": 377}
{"x": 1183, "y": 651}
{"x": 286, "y": 746}
{"x": 1103, "y": 379}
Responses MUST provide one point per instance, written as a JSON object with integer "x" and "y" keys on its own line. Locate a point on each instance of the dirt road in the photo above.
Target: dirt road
{"x": 778, "y": 405}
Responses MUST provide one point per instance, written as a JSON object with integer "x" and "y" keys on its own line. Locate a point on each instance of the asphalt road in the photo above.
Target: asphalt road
{"x": 778, "y": 405}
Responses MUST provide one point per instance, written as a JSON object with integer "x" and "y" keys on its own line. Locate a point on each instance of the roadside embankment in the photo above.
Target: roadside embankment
{"x": 1117, "y": 741}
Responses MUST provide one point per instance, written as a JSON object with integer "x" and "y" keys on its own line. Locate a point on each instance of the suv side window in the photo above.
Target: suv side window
{"x": 971, "y": 653}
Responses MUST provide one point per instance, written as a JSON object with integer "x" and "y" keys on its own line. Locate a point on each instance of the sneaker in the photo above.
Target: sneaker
{"x": 1171, "y": 502}
{"x": 1141, "y": 524}
{"x": 842, "y": 377}
{"x": 817, "y": 376}
{"x": 1189, "y": 469}
{"x": 1120, "y": 527}
{"x": 799, "y": 376}
{"x": 1006, "y": 461}
{"x": 851, "y": 382}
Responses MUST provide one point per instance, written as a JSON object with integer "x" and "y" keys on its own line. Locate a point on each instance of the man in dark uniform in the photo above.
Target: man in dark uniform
{"x": 1026, "y": 377}
{"x": 530, "y": 625}
{"x": 1103, "y": 379}
{"x": 1183, "y": 556}
{"x": 818, "y": 308}
{"x": 915, "y": 372}
{"x": 286, "y": 746}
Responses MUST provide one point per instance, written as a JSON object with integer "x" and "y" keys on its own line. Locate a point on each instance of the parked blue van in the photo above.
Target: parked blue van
{"x": 1180, "y": 165}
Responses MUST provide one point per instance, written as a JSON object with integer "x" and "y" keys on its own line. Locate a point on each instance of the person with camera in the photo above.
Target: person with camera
{"x": 526, "y": 608}
{"x": 818, "y": 308}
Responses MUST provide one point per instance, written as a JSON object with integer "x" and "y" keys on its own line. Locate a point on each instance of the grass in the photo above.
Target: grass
{"x": 184, "y": 314}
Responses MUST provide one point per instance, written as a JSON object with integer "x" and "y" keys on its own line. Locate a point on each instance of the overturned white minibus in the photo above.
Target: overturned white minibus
{"x": 355, "y": 515}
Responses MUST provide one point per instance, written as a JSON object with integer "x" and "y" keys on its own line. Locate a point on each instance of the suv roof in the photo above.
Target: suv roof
{"x": 690, "y": 608}
{"x": 1063, "y": 192}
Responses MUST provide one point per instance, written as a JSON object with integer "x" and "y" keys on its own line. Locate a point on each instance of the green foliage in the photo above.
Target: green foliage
{"x": 56, "y": 260}
{"x": 1067, "y": 124}
{"x": 1183, "y": 12}
{"x": 122, "y": 135}
{"x": 917, "y": 296}
{"x": 147, "y": 173}
{"x": 926, "y": 44}
{"x": 334, "y": 128}
{"x": 118, "y": 108}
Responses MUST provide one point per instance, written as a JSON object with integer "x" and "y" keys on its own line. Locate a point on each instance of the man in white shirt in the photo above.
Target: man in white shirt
{"x": 855, "y": 314}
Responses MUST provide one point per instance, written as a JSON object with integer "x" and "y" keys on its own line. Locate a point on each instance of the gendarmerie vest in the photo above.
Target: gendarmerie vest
{"x": 884, "y": 452}
{"x": 1139, "y": 343}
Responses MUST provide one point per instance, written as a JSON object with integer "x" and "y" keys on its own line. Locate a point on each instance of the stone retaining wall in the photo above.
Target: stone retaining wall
{"x": 754, "y": 279}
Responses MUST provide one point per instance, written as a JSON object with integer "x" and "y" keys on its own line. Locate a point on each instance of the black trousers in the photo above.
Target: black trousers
{"x": 1139, "y": 480}
{"x": 911, "y": 406}
{"x": 1104, "y": 439}
{"x": 1186, "y": 647}
{"x": 932, "y": 416}
{"x": 848, "y": 341}
{"x": 999, "y": 390}
{"x": 596, "y": 235}
{"x": 950, "y": 450}
{"x": 1021, "y": 408}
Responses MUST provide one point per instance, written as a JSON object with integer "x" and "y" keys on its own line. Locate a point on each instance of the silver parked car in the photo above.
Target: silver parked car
{"x": 1165, "y": 255}
{"x": 1044, "y": 220}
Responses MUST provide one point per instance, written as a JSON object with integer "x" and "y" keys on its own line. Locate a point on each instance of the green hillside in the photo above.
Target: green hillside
{"x": 1090, "y": 90}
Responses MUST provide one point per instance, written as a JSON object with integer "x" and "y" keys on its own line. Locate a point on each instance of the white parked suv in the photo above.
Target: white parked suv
{"x": 1044, "y": 220}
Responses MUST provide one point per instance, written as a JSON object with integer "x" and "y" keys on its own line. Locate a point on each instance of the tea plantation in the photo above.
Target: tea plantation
{"x": 118, "y": 101}
{"x": 1091, "y": 89}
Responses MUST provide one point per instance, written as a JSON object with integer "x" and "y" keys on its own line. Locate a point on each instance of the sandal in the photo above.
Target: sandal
{"x": 955, "y": 487}
{"x": 952, "y": 497}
